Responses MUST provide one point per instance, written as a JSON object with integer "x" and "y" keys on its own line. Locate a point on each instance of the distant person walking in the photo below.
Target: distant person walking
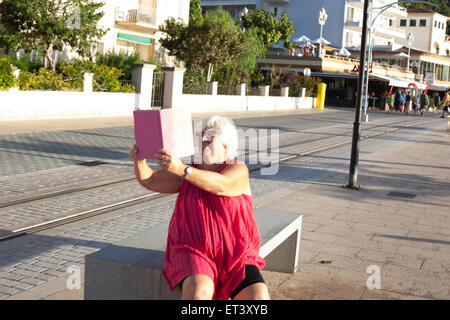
{"x": 407, "y": 102}
{"x": 391, "y": 101}
{"x": 446, "y": 109}
{"x": 424, "y": 103}
{"x": 416, "y": 105}
{"x": 403, "y": 101}
{"x": 437, "y": 100}
{"x": 398, "y": 100}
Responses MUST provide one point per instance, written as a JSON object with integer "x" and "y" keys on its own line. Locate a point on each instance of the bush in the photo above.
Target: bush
{"x": 71, "y": 77}
{"x": 24, "y": 64}
{"x": 44, "y": 80}
{"x": 194, "y": 81}
{"x": 27, "y": 81}
{"x": 7, "y": 79}
{"x": 122, "y": 60}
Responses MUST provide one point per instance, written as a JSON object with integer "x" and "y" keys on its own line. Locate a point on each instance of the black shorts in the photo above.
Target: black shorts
{"x": 252, "y": 276}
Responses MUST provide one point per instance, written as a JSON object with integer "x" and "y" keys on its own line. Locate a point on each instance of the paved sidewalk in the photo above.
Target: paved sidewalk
{"x": 23, "y": 126}
{"x": 345, "y": 231}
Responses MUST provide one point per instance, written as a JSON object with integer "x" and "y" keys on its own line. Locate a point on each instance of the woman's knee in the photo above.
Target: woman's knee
{"x": 257, "y": 291}
{"x": 197, "y": 287}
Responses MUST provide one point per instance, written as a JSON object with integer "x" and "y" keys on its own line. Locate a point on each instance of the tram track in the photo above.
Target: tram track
{"x": 153, "y": 196}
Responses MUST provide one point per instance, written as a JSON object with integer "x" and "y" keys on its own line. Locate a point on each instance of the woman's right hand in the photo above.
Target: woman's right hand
{"x": 133, "y": 154}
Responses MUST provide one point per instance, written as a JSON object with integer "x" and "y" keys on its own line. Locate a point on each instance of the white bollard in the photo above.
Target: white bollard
{"x": 87, "y": 84}
{"x": 212, "y": 88}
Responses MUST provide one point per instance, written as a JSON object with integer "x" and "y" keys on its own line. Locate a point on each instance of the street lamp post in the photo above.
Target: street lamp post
{"x": 369, "y": 61}
{"x": 322, "y": 18}
{"x": 353, "y": 171}
{"x": 410, "y": 39}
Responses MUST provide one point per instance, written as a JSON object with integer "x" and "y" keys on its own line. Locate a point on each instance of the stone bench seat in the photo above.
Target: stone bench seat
{"x": 131, "y": 269}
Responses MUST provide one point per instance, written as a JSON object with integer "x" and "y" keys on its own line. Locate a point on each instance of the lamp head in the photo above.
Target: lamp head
{"x": 322, "y": 16}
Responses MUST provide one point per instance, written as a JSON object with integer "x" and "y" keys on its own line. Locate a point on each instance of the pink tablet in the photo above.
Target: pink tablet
{"x": 170, "y": 129}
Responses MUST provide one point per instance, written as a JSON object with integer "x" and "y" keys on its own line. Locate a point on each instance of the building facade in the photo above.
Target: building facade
{"x": 132, "y": 25}
{"x": 428, "y": 29}
{"x": 343, "y": 27}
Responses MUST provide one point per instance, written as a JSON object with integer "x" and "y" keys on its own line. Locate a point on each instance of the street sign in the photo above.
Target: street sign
{"x": 429, "y": 78}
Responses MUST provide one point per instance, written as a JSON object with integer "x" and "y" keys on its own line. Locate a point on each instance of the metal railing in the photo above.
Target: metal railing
{"x": 158, "y": 90}
{"x": 142, "y": 14}
{"x": 226, "y": 90}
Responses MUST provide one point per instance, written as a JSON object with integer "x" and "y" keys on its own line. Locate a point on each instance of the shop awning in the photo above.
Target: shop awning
{"x": 403, "y": 83}
{"x": 135, "y": 39}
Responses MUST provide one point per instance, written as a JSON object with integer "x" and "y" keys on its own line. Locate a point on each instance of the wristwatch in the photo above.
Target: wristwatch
{"x": 187, "y": 172}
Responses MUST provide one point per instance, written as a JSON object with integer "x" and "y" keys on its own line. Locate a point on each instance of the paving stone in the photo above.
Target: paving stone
{"x": 8, "y": 291}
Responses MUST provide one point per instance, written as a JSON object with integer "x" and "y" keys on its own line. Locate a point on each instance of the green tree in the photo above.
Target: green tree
{"x": 48, "y": 25}
{"x": 268, "y": 28}
{"x": 195, "y": 12}
{"x": 216, "y": 40}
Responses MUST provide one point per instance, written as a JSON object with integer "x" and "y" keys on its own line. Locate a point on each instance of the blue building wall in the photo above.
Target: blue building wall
{"x": 303, "y": 14}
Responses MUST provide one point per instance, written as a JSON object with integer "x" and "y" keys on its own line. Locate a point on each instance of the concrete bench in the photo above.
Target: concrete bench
{"x": 131, "y": 269}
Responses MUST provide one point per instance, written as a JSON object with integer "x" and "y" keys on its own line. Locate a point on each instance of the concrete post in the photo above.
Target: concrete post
{"x": 87, "y": 83}
{"x": 303, "y": 92}
{"x": 264, "y": 91}
{"x": 16, "y": 73}
{"x": 212, "y": 88}
{"x": 142, "y": 80}
{"x": 173, "y": 87}
{"x": 240, "y": 89}
{"x": 285, "y": 92}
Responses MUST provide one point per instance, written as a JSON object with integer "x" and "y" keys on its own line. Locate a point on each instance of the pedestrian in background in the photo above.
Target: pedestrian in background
{"x": 403, "y": 100}
{"x": 407, "y": 102}
{"x": 446, "y": 101}
{"x": 398, "y": 100}
{"x": 391, "y": 101}
{"x": 424, "y": 103}
{"x": 437, "y": 100}
{"x": 416, "y": 105}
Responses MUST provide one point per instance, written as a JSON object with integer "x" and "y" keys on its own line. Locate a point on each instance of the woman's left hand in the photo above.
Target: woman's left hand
{"x": 169, "y": 162}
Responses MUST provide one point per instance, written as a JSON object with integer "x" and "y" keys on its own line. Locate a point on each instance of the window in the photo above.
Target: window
{"x": 390, "y": 23}
{"x": 403, "y": 23}
{"x": 412, "y": 22}
{"x": 423, "y": 22}
{"x": 100, "y": 47}
{"x": 447, "y": 52}
{"x": 439, "y": 25}
{"x": 435, "y": 24}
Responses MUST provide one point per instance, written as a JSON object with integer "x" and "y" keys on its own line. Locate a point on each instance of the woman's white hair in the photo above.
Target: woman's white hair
{"x": 227, "y": 132}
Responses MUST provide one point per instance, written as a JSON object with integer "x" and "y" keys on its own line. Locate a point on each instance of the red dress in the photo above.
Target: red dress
{"x": 211, "y": 235}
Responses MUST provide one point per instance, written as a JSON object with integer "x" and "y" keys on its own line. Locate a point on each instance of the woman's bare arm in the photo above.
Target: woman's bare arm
{"x": 233, "y": 181}
{"x": 156, "y": 180}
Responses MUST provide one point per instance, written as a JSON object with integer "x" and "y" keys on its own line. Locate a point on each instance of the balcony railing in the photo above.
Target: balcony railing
{"x": 144, "y": 14}
{"x": 228, "y": 2}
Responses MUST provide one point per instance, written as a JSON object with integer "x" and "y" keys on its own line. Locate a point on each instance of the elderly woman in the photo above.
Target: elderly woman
{"x": 213, "y": 240}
